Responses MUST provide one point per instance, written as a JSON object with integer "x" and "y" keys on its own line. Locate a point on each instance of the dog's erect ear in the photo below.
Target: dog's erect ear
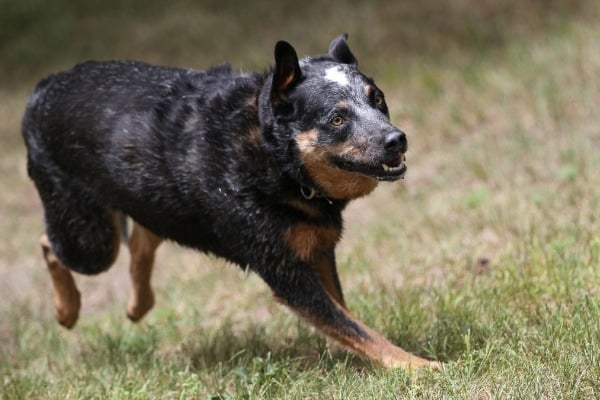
{"x": 287, "y": 70}
{"x": 340, "y": 52}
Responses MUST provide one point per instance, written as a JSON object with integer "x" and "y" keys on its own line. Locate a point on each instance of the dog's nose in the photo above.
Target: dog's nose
{"x": 395, "y": 141}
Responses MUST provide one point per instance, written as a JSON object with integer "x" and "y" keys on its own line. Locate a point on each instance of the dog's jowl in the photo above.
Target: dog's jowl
{"x": 255, "y": 168}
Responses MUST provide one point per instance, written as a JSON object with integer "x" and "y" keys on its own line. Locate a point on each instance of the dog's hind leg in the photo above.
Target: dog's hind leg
{"x": 82, "y": 234}
{"x": 67, "y": 299}
{"x": 142, "y": 245}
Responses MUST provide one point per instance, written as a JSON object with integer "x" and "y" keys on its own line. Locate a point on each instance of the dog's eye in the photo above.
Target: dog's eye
{"x": 336, "y": 121}
{"x": 379, "y": 100}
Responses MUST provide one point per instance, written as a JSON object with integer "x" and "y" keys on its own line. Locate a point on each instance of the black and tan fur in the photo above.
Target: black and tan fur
{"x": 255, "y": 168}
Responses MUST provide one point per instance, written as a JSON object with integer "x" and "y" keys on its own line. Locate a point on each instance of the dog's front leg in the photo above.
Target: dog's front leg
{"x": 325, "y": 268}
{"x": 299, "y": 287}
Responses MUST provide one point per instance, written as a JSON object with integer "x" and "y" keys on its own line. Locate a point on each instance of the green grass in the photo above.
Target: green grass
{"x": 486, "y": 257}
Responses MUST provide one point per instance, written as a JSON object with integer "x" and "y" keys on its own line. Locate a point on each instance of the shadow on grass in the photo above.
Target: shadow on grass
{"x": 182, "y": 345}
{"x": 304, "y": 348}
{"x": 117, "y": 344}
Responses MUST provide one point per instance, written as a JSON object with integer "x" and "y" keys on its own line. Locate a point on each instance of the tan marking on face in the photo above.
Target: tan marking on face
{"x": 354, "y": 151}
{"x": 306, "y": 240}
{"x": 368, "y": 89}
{"x": 340, "y": 184}
{"x": 343, "y": 105}
{"x": 307, "y": 140}
{"x": 337, "y": 183}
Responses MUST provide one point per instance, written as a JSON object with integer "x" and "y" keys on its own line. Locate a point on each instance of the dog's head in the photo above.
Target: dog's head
{"x": 334, "y": 121}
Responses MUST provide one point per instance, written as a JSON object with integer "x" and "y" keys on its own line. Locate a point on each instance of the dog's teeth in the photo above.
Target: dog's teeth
{"x": 387, "y": 168}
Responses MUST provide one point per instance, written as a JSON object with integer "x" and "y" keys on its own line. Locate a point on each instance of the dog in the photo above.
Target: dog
{"x": 255, "y": 168}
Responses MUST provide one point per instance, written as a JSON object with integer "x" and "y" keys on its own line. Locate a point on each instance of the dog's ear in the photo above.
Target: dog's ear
{"x": 287, "y": 70}
{"x": 340, "y": 52}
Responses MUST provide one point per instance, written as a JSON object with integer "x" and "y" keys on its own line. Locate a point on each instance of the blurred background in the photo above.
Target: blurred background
{"x": 500, "y": 100}
{"x": 38, "y": 36}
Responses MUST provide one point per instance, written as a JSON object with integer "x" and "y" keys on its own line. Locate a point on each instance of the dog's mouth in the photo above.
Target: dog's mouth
{"x": 390, "y": 170}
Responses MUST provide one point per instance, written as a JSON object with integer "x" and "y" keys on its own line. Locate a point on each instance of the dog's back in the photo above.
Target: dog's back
{"x": 72, "y": 115}
{"x": 144, "y": 140}
{"x": 96, "y": 102}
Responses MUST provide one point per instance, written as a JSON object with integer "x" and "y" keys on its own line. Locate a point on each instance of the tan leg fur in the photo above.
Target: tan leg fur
{"x": 142, "y": 245}
{"x": 67, "y": 300}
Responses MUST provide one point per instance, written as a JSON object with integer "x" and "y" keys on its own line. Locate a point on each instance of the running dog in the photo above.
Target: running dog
{"x": 255, "y": 168}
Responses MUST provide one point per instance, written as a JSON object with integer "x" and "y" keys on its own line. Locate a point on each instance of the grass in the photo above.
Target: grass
{"x": 487, "y": 257}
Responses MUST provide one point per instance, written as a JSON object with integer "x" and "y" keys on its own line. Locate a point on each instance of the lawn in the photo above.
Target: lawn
{"x": 486, "y": 257}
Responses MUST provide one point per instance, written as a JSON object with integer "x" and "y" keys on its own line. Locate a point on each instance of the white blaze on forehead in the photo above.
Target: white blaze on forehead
{"x": 335, "y": 74}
